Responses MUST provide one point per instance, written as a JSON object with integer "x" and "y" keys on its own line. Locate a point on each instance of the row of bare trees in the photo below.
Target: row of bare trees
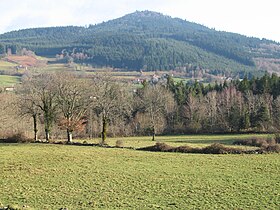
{"x": 70, "y": 101}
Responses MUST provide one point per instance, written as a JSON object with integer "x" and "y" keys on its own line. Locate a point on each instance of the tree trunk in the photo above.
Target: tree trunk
{"x": 35, "y": 136}
{"x": 69, "y": 136}
{"x": 154, "y": 133}
{"x": 90, "y": 124}
{"x": 47, "y": 127}
{"x": 35, "y": 127}
{"x": 104, "y": 131}
{"x": 47, "y": 132}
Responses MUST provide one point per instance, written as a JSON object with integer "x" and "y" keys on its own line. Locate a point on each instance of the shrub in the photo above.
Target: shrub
{"x": 255, "y": 142}
{"x": 17, "y": 138}
{"x": 119, "y": 144}
{"x": 271, "y": 148}
{"x": 215, "y": 149}
{"x": 163, "y": 147}
{"x": 184, "y": 149}
{"x": 158, "y": 147}
{"x": 271, "y": 141}
{"x": 259, "y": 142}
{"x": 277, "y": 138}
{"x": 212, "y": 149}
{"x": 221, "y": 149}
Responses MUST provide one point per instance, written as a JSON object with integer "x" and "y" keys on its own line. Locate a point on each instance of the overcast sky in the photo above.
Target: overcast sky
{"x": 256, "y": 18}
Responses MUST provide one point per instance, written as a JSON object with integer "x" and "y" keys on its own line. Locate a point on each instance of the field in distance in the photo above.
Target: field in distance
{"x": 80, "y": 177}
{"x": 15, "y": 65}
{"x": 179, "y": 140}
{"x": 8, "y": 81}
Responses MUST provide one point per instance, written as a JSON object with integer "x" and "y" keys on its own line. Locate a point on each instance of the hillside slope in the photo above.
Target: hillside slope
{"x": 150, "y": 41}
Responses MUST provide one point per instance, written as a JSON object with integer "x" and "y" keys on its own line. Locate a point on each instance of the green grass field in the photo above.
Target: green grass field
{"x": 78, "y": 177}
{"x": 4, "y": 65}
{"x": 9, "y": 80}
{"x": 179, "y": 140}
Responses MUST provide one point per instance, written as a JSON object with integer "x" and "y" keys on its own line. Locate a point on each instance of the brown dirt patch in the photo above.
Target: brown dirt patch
{"x": 24, "y": 61}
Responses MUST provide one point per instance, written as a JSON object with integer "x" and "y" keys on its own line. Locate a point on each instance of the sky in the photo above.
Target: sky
{"x": 255, "y": 18}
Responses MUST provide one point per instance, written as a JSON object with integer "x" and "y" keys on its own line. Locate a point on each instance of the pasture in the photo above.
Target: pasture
{"x": 179, "y": 140}
{"x": 44, "y": 176}
{"x": 8, "y": 81}
{"x": 5, "y": 65}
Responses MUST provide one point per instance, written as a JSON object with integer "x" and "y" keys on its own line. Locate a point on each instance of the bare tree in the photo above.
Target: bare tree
{"x": 10, "y": 123}
{"x": 276, "y": 112}
{"x": 28, "y": 107}
{"x": 210, "y": 103}
{"x": 112, "y": 101}
{"x": 156, "y": 101}
{"x": 194, "y": 112}
{"x": 41, "y": 93}
{"x": 74, "y": 98}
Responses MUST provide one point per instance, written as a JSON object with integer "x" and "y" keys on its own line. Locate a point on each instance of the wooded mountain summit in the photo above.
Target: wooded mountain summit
{"x": 150, "y": 41}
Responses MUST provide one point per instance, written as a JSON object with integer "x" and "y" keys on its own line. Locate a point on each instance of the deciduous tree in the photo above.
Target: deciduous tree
{"x": 156, "y": 101}
{"x": 112, "y": 100}
{"x": 73, "y": 99}
{"x": 41, "y": 93}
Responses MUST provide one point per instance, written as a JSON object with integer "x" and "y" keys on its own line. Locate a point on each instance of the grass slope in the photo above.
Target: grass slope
{"x": 55, "y": 176}
{"x": 6, "y": 80}
{"x": 5, "y": 65}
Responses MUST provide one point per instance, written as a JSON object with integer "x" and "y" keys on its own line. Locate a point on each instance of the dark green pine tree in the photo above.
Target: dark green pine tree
{"x": 275, "y": 85}
{"x": 171, "y": 84}
{"x": 245, "y": 123}
{"x": 234, "y": 118}
{"x": 180, "y": 93}
{"x": 244, "y": 85}
{"x": 2, "y": 49}
{"x": 263, "y": 119}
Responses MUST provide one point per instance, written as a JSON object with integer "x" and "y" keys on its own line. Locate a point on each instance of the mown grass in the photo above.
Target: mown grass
{"x": 78, "y": 177}
{"x": 179, "y": 140}
{"x": 6, "y": 80}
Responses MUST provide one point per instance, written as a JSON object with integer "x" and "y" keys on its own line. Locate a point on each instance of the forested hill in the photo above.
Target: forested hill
{"x": 150, "y": 41}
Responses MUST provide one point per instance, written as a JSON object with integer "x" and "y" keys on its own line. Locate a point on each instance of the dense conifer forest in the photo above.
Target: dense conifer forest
{"x": 149, "y": 41}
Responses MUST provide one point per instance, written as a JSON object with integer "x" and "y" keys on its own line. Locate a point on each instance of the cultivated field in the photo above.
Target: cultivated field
{"x": 39, "y": 64}
{"x": 23, "y": 60}
{"x": 46, "y": 176}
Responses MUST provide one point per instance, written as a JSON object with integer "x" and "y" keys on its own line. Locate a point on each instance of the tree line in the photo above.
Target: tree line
{"x": 236, "y": 106}
{"x": 73, "y": 104}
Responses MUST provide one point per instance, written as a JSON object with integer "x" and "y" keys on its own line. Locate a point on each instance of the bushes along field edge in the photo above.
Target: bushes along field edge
{"x": 212, "y": 149}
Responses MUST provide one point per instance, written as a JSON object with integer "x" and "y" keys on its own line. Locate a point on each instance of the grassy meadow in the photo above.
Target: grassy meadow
{"x": 8, "y": 81}
{"x": 179, "y": 140}
{"x": 5, "y": 65}
{"x": 44, "y": 176}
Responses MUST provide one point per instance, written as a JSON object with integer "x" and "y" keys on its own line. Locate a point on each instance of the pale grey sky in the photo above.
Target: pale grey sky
{"x": 256, "y": 18}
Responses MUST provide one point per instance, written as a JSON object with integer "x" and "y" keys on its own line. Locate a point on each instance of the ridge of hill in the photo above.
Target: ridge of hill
{"x": 150, "y": 41}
